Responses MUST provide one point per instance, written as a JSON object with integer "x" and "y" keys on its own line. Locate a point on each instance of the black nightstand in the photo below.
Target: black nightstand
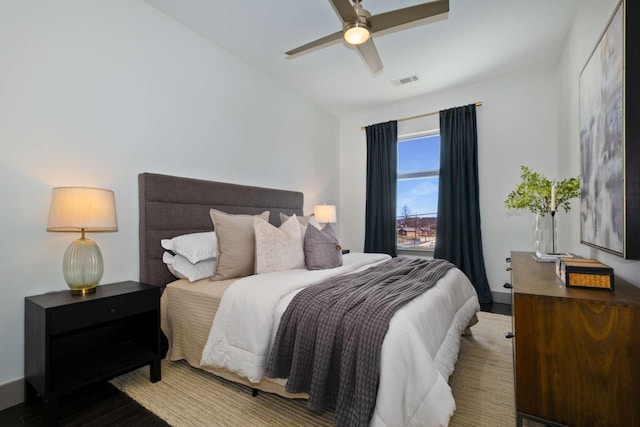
{"x": 75, "y": 340}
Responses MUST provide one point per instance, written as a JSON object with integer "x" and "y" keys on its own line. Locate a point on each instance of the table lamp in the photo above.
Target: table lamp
{"x": 82, "y": 209}
{"x": 325, "y": 213}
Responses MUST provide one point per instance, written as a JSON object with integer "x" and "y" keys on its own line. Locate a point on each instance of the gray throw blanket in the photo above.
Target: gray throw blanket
{"x": 330, "y": 337}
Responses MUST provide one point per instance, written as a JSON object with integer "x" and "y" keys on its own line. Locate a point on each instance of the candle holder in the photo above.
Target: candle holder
{"x": 553, "y": 233}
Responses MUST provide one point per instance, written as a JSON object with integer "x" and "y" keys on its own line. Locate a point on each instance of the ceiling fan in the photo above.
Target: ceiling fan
{"x": 359, "y": 24}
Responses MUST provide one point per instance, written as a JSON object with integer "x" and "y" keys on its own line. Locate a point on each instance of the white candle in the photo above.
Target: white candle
{"x": 553, "y": 197}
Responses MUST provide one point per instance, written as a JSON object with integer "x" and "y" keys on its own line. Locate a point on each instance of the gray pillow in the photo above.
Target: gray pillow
{"x": 321, "y": 248}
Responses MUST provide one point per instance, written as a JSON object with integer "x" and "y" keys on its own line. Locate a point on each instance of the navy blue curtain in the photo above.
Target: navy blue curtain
{"x": 459, "y": 239}
{"x": 382, "y": 173}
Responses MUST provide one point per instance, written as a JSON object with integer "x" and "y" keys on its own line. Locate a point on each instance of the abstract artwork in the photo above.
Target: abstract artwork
{"x": 602, "y": 145}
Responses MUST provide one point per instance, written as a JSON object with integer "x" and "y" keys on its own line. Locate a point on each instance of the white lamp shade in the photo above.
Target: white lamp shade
{"x": 82, "y": 208}
{"x": 325, "y": 213}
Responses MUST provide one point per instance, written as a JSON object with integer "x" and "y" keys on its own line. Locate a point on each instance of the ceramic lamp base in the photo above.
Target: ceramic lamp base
{"x": 82, "y": 266}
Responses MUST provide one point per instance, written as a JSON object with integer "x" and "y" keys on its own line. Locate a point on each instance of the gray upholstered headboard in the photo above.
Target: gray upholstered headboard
{"x": 171, "y": 206}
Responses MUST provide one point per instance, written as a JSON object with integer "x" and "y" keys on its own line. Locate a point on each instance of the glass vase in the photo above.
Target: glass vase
{"x": 544, "y": 234}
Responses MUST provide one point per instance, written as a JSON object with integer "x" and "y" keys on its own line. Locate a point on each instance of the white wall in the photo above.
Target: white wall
{"x": 93, "y": 93}
{"x": 589, "y": 23}
{"x": 516, "y": 125}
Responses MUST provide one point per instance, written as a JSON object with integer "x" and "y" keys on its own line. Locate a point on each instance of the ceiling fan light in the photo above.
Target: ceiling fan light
{"x": 356, "y": 33}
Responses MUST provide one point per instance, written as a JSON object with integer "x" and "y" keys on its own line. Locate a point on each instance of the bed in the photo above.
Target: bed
{"x": 418, "y": 353}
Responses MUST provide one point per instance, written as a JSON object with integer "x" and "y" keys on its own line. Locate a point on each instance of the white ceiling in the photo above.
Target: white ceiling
{"x": 477, "y": 40}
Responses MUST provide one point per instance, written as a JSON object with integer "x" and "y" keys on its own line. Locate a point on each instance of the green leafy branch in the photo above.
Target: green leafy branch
{"x": 534, "y": 193}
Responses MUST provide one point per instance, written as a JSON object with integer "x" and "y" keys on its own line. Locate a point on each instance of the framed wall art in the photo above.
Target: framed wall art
{"x": 610, "y": 139}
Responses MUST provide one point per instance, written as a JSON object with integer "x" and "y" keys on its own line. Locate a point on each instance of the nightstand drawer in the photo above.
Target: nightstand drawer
{"x": 76, "y": 316}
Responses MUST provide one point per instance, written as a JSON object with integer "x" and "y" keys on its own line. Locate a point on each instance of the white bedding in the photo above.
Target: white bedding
{"x": 418, "y": 353}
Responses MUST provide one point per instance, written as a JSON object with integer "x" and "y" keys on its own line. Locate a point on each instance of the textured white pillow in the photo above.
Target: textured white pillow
{"x": 195, "y": 247}
{"x": 303, "y": 220}
{"x": 278, "y": 249}
{"x": 182, "y": 268}
{"x": 304, "y": 223}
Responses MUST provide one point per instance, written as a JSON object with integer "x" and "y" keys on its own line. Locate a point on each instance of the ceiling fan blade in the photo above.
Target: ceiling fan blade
{"x": 394, "y": 18}
{"x": 370, "y": 55}
{"x": 345, "y": 10}
{"x": 324, "y": 40}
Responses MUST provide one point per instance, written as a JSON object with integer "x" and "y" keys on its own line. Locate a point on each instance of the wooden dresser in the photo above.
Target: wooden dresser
{"x": 576, "y": 351}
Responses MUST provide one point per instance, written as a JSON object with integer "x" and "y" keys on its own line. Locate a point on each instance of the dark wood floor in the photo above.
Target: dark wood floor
{"x": 98, "y": 405}
{"x": 103, "y": 405}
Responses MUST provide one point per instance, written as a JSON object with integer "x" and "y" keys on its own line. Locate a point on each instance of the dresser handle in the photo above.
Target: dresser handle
{"x": 112, "y": 310}
{"x": 507, "y": 285}
{"x": 508, "y": 259}
{"x": 508, "y": 269}
{"x": 509, "y": 335}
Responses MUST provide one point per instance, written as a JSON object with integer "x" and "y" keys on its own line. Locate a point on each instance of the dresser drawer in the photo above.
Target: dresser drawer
{"x": 89, "y": 313}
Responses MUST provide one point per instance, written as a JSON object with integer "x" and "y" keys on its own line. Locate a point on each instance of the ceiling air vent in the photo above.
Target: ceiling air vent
{"x": 406, "y": 80}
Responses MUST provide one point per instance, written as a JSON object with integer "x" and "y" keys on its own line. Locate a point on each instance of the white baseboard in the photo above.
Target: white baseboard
{"x": 11, "y": 393}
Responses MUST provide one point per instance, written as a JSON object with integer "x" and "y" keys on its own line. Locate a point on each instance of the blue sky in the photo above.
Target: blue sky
{"x": 419, "y": 195}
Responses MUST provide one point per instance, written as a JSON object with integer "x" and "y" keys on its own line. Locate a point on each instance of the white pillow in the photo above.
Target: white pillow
{"x": 182, "y": 268}
{"x": 278, "y": 249}
{"x": 195, "y": 247}
{"x": 304, "y": 221}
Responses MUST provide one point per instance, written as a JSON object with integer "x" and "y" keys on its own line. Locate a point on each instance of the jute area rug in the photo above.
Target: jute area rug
{"x": 482, "y": 385}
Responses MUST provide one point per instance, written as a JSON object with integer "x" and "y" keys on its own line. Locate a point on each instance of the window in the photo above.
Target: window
{"x": 418, "y": 179}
